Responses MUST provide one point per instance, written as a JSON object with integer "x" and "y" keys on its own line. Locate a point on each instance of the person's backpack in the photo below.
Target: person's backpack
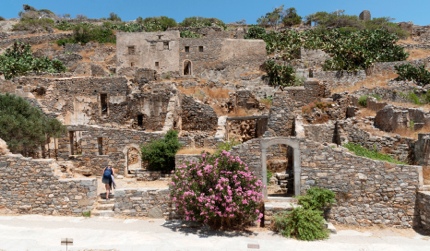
{"x": 107, "y": 173}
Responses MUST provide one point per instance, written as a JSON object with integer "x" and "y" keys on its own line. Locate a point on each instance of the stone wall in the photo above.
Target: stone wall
{"x": 33, "y": 187}
{"x": 333, "y": 79}
{"x": 368, "y": 192}
{"x": 423, "y": 209}
{"x": 213, "y": 59}
{"x": 154, "y": 50}
{"x": 392, "y": 118}
{"x": 381, "y": 67}
{"x": 113, "y": 144}
{"x": 196, "y": 116}
{"x": 143, "y": 202}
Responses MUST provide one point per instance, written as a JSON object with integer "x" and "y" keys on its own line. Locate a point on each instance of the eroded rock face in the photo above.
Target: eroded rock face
{"x": 3, "y": 148}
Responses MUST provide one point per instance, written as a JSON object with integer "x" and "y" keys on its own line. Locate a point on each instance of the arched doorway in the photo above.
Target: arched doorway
{"x": 294, "y": 154}
{"x": 187, "y": 67}
{"x": 133, "y": 160}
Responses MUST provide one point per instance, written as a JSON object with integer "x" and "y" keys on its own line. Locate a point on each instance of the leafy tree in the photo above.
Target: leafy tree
{"x": 24, "y": 127}
{"x": 114, "y": 17}
{"x": 272, "y": 19}
{"x": 18, "y": 60}
{"x": 291, "y": 17}
{"x": 160, "y": 153}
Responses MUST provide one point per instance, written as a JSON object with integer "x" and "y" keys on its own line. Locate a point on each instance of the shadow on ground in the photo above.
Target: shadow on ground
{"x": 203, "y": 231}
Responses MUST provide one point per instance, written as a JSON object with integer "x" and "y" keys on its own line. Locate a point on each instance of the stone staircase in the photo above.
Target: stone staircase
{"x": 104, "y": 208}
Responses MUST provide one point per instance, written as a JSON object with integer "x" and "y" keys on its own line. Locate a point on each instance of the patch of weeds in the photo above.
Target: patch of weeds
{"x": 371, "y": 154}
{"x": 86, "y": 214}
{"x": 363, "y": 100}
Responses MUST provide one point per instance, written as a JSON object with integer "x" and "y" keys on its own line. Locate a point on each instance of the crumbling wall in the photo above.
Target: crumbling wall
{"x": 33, "y": 40}
{"x": 196, "y": 116}
{"x": 31, "y": 187}
{"x": 391, "y": 118}
{"x": 368, "y": 192}
{"x": 333, "y": 79}
{"x": 100, "y": 147}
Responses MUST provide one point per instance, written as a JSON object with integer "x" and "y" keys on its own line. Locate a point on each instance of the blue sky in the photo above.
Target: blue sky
{"x": 226, "y": 10}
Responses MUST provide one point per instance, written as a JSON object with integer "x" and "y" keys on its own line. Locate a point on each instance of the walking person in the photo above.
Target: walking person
{"x": 107, "y": 179}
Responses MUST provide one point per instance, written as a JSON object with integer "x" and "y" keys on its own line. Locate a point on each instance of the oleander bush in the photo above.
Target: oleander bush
{"x": 219, "y": 191}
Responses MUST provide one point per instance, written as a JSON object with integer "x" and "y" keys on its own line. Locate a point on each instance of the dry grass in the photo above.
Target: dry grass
{"x": 377, "y": 80}
{"x": 193, "y": 150}
{"x": 201, "y": 92}
{"x": 240, "y": 112}
{"x": 426, "y": 175}
{"x": 418, "y": 54}
{"x": 365, "y": 112}
{"x": 425, "y": 107}
{"x": 409, "y": 133}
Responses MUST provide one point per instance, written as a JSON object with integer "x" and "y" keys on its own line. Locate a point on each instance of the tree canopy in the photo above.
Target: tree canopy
{"x": 24, "y": 127}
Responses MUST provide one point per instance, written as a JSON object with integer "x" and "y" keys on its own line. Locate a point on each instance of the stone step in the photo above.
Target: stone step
{"x": 105, "y": 207}
{"x": 425, "y": 188}
{"x": 103, "y": 195}
{"x": 281, "y": 199}
{"x": 103, "y": 213}
{"x": 103, "y": 201}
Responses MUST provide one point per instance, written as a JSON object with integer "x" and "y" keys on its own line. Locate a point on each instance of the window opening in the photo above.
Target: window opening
{"x": 132, "y": 64}
{"x": 131, "y": 50}
{"x": 100, "y": 145}
{"x": 166, "y": 46}
{"x": 200, "y": 48}
{"x": 187, "y": 49}
{"x": 157, "y": 64}
{"x": 72, "y": 140}
{"x": 103, "y": 103}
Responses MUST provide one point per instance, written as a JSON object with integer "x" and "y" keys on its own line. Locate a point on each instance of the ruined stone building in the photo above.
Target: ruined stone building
{"x": 168, "y": 52}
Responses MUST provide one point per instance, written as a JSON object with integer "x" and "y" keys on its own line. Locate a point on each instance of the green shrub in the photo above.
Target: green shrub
{"x": 160, "y": 153}
{"x": 18, "y": 60}
{"x": 376, "y": 96}
{"x": 226, "y": 145}
{"x": 301, "y": 223}
{"x": 269, "y": 176}
{"x": 371, "y": 154}
{"x": 280, "y": 75}
{"x": 86, "y": 214}
{"x": 255, "y": 32}
{"x": 30, "y": 24}
{"x": 413, "y": 97}
{"x": 202, "y": 22}
{"x": 189, "y": 34}
{"x": 411, "y": 73}
{"x": 362, "y": 100}
{"x": 317, "y": 199}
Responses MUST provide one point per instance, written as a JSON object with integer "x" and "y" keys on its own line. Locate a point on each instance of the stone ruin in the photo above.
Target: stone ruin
{"x": 119, "y": 101}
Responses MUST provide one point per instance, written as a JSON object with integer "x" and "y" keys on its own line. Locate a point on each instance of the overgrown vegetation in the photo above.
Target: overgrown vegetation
{"x": 18, "y": 60}
{"x": 160, "y": 153}
{"x": 280, "y": 75}
{"x": 203, "y": 22}
{"x": 226, "y": 146}
{"x": 303, "y": 224}
{"x": 306, "y": 222}
{"x": 86, "y": 32}
{"x": 24, "y": 127}
{"x": 418, "y": 74}
{"x": 219, "y": 191}
{"x": 362, "y": 100}
{"x": 189, "y": 34}
{"x": 371, "y": 154}
{"x": 317, "y": 198}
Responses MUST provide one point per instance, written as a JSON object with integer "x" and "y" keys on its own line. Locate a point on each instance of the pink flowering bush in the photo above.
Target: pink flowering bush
{"x": 219, "y": 191}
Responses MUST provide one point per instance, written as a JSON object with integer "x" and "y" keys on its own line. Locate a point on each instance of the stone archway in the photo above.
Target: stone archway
{"x": 187, "y": 68}
{"x": 292, "y": 142}
{"x": 133, "y": 159}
